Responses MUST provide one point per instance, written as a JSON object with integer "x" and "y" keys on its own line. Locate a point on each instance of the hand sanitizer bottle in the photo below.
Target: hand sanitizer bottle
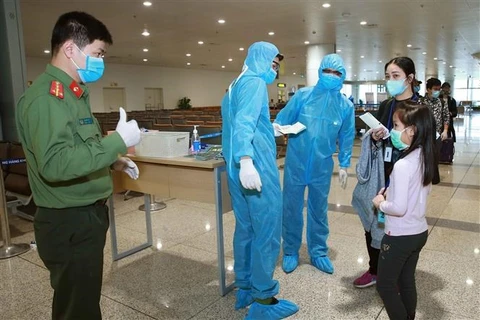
{"x": 196, "y": 145}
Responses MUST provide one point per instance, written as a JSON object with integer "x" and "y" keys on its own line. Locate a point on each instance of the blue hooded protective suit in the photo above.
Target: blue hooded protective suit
{"x": 247, "y": 131}
{"x": 329, "y": 117}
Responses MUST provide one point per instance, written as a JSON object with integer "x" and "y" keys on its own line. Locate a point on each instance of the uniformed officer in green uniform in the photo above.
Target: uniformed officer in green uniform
{"x": 69, "y": 164}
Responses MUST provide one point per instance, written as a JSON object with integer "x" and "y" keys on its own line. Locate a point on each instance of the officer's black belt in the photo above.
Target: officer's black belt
{"x": 100, "y": 202}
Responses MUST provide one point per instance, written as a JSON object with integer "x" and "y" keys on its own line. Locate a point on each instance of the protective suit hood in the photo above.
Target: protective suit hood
{"x": 335, "y": 62}
{"x": 259, "y": 58}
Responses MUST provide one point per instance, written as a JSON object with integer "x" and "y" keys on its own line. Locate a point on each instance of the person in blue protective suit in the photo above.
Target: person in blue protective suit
{"x": 250, "y": 153}
{"x": 329, "y": 117}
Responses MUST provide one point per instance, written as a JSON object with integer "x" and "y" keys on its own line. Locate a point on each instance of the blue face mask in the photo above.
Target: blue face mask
{"x": 93, "y": 71}
{"x": 270, "y": 77}
{"x": 416, "y": 88}
{"x": 435, "y": 94}
{"x": 330, "y": 81}
{"x": 396, "y": 138}
{"x": 396, "y": 87}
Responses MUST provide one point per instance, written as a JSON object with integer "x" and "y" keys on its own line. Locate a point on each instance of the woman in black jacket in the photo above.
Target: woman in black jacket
{"x": 400, "y": 80}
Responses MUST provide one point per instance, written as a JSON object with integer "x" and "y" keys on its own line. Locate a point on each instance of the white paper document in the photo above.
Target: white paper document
{"x": 292, "y": 129}
{"x": 373, "y": 123}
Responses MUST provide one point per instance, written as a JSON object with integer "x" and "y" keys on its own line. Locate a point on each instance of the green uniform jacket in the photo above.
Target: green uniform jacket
{"x": 67, "y": 158}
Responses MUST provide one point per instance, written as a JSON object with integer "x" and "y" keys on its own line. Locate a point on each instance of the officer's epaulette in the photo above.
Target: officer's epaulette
{"x": 56, "y": 89}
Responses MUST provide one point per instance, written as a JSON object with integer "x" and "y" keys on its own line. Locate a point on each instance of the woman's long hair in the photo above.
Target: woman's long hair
{"x": 410, "y": 113}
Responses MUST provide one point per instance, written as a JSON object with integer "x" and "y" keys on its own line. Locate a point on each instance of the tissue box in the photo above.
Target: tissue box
{"x": 163, "y": 144}
{"x": 130, "y": 150}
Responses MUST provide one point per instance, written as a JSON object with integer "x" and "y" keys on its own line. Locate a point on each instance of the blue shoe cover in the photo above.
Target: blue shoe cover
{"x": 290, "y": 262}
{"x": 282, "y": 309}
{"x": 244, "y": 299}
{"x": 323, "y": 263}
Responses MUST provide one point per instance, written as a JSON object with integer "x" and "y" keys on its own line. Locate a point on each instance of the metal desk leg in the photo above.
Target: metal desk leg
{"x": 154, "y": 205}
{"x": 224, "y": 288}
{"x": 113, "y": 231}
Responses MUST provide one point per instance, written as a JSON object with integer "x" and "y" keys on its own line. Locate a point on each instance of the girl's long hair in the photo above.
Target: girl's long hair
{"x": 410, "y": 113}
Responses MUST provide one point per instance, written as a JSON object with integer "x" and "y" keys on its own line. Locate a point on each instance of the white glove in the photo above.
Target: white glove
{"x": 444, "y": 135}
{"x": 276, "y": 130}
{"x": 129, "y": 131}
{"x": 128, "y": 166}
{"x": 249, "y": 176}
{"x": 343, "y": 177}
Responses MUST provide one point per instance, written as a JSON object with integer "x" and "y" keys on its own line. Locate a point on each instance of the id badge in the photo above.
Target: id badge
{"x": 380, "y": 217}
{"x": 388, "y": 154}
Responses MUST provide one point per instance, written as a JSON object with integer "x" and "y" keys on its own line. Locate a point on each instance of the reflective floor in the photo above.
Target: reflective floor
{"x": 177, "y": 278}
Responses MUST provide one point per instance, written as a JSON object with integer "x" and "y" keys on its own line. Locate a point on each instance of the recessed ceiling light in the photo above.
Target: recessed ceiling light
{"x": 230, "y": 59}
{"x": 307, "y": 42}
{"x": 349, "y": 67}
{"x": 241, "y": 49}
{"x": 145, "y": 33}
{"x": 147, "y": 3}
{"x": 363, "y": 23}
{"x": 145, "y": 50}
{"x": 46, "y": 51}
{"x": 424, "y": 52}
{"x": 444, "y": 62}
{"x": 223, "y": 67}
{"x": 362, "y": 57}
{"x": 294, "y": 73}
{"x": 188, "y": 54}
{"x": 221, "y": 21}
{"x": 200, "y": 42}
{"x": 451, "y": 66}
{"x": 377, "y": 72}
{"x": 409, "y": 45}
{"x": 380, "y": 61}
{"x": 339, "y": 50}
{"x": 188, "y": 63}
{"x": 145, "y": 60}
{"x": 326, "y": 5}
{"x": 271, "y": 33}
{"x": 354, "y": 75}
{"x": 435, "y": 58}
{"x": 364, "y": 69}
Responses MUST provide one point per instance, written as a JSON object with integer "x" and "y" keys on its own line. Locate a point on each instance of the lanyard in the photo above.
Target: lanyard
{"x": 392, "y": 106}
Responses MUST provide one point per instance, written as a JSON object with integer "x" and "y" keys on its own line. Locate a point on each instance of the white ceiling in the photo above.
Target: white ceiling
{"x": 447, "y": 30}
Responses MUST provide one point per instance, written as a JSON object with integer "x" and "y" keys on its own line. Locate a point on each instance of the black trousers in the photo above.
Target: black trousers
{"x": 396, "y": 274}
{"x": 373, "y": 254}
{"x": 70, "y": 243}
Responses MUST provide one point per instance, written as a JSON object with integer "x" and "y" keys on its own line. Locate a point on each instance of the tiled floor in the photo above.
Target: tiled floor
{"x": 177, "y": 278}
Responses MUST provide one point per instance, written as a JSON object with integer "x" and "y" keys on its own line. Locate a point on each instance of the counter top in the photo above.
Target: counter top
{"x": 180, "y": 161}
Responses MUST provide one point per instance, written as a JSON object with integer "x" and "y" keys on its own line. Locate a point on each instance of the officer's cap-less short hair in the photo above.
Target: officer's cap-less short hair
{"x": 80, "y": 27}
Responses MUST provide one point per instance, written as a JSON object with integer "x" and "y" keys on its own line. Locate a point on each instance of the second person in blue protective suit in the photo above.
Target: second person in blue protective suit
{"x": 329, "y": 117}
{"x": 250, "y": 153}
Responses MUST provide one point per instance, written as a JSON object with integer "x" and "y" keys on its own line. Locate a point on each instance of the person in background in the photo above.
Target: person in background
{"x": 400, "y": 80}
{"x": 440, "y": 113}
{"x": 448, "y": 100}
{"x": 254, "y": 184}
{"x": 416, "y": 87}
{"x": 69, "y": 163}
{"x": 328, "y": 116}
{"x": 272, "y": 104}
{"x": 404, "y": 204}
